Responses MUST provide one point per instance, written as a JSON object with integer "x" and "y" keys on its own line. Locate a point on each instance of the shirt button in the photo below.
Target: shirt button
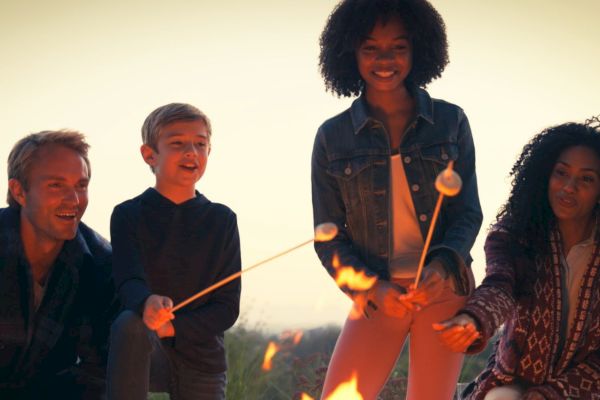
{"x": 348, "y": 171}
{"x": 407, "y": 160}
{"x": 444, "y": 156}
{"x": 423, "y": 217}
{"x": 415, "y": 187}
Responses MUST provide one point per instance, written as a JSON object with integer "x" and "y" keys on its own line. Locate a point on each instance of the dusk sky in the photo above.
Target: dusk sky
{"x": 516, "y": 67}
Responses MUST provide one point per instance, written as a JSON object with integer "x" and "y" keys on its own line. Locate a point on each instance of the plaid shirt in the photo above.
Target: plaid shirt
{"x": 68, "y": 334}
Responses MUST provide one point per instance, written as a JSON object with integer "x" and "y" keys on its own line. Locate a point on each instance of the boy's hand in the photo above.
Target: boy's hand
{"x": 166, "y": 330}
{"x": 157, "y": 311}
{"x": 457, "y": 333}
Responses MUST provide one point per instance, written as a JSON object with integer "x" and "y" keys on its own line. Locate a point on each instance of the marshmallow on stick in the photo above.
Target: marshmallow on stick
{"x": 447, "y": 183}
{"x": 323, "y": 233}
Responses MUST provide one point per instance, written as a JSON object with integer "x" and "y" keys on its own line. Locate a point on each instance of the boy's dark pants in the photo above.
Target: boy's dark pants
{"x": 139, "y": 361}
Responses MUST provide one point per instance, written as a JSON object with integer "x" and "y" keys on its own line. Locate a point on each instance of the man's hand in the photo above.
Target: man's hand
{"x": 457, "y": 333}
{"x": 157, "y": 311}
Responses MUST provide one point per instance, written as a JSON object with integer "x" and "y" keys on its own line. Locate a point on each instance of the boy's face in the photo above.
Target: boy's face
{"x": 56, "y": 197}
{"x": 183, "y": 149}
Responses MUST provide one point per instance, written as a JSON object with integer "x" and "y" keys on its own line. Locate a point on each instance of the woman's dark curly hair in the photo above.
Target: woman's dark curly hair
{"x": 527, "y": 214}
{"x": 352, "y": 20}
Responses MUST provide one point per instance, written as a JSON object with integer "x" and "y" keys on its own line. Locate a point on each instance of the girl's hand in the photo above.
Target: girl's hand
{"x": 457, "y": 333}
{"x": 387, "y": 297}
{"x": 430, "y": 287}
{"x": 157, "y": 311}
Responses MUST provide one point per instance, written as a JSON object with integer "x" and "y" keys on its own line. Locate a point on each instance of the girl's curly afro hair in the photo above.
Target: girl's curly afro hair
{"x": 352, "y": 20}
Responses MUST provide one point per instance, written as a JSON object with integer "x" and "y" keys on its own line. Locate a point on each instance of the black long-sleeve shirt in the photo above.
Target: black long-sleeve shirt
{"x": 176, "y": 250}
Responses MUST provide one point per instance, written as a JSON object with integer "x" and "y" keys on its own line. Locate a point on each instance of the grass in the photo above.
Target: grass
{"x": 302, "y": 368}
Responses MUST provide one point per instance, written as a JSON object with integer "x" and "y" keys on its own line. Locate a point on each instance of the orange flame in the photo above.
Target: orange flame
{"x": 291, "y": 338}
{"x": 287, "y": 340}
{"x": 306, "y": 397}
{"x": 272, "y": 349}
{"x": 297, "y": 337}
{"x": 347, "y": 390}
{"x": 350, "y": 278}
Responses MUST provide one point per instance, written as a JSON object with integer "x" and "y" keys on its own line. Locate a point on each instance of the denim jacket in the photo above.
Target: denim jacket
{"x": 351, "y": 187}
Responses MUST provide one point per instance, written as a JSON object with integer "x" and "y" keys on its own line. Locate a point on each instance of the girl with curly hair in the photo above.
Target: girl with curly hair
{"x": 542, "y": 280}
{"x": 373, "y": 173}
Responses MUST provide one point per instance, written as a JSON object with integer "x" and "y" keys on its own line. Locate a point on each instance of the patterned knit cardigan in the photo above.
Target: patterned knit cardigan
{"x": 527, "y": 297}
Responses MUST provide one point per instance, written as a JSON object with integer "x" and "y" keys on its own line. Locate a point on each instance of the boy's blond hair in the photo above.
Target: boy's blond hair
{"x": 167, "y": 114}
{"x": 23, "y": 154}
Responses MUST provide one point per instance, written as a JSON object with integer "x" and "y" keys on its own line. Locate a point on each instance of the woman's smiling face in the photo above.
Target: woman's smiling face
{"x": 574, "y": 185}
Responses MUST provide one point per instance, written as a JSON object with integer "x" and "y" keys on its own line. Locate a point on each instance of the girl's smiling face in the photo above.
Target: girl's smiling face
{"x": 384, "y": 57}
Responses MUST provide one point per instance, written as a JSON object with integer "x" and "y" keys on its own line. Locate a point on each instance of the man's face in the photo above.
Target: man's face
{"x": 56, "y": 198}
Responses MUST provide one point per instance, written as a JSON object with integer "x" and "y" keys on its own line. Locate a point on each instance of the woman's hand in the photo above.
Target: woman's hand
{"x": 387, "y": 297}
{"x": 457, "y": 333}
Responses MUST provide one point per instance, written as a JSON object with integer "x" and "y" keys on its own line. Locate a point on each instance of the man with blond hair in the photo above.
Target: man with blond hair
{"x": 56, "y": 296}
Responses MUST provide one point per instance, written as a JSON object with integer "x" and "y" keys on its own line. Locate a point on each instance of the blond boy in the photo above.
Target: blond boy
{"x": 169, "y": 243}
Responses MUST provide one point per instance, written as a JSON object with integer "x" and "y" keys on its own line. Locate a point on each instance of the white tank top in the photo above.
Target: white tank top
{"x": 407, "y": 239}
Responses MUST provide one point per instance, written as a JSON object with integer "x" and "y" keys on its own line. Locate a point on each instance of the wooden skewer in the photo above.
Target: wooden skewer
{"x": 436, "y": 212}
{"x": 228, "y": 279}
{"x": 323, "y": 233}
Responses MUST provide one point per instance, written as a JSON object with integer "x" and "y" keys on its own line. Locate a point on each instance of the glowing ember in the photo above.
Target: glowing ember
{"x": 287, "y": 340}
{"x": 325, "y": 232}
{"x": 346, "y": 276}
{"x": 346, "y": 390}
{"x": 297, "y": 337}
{"x": 272, "y": 349}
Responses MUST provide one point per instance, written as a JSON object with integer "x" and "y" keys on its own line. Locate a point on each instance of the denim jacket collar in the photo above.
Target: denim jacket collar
{"x": 359, "y": 111}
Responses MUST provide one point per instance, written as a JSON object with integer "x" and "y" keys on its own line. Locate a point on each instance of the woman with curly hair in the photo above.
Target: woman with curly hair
{"x": 373, "y": 173}
{"x": 542, "y": 280}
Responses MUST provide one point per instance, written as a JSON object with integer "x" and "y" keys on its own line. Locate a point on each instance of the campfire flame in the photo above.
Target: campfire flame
{"x": 347, "y": 390}
{"x": 272, "y": 349}
{"x": 346, "y": 276}
{"x": 287, "y": 340}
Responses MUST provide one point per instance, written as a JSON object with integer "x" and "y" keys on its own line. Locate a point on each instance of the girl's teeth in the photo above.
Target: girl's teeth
{"x": 386, "y": 74}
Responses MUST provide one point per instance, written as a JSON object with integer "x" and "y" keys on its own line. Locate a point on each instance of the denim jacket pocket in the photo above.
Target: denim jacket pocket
{"x": 439, "y": 155}
{"x": 355, "y": 179}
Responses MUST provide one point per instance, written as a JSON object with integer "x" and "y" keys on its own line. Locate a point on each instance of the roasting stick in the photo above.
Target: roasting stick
{"x": 447, "y": 183}
{"x": 323, "y": 233}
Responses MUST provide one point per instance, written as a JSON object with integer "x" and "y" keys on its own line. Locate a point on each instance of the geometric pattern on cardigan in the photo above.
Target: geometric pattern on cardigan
{"x": 528, "y": 352}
